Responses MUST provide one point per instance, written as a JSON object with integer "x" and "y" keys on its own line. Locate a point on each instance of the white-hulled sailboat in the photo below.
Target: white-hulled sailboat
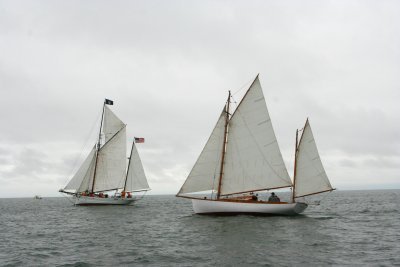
{"x": 242, "y": 156}
{"x": 105, "y": 169}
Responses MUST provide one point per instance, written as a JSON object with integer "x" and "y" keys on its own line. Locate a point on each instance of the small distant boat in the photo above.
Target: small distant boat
{"x": 242, "y": 156}
{"x": 37, "y": 197}
{"x": 105, "y": 170}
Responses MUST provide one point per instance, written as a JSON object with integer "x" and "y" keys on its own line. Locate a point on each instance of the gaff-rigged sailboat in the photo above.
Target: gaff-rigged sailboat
{"x": 105, "y": 169}
{"x": 242, "y": 156}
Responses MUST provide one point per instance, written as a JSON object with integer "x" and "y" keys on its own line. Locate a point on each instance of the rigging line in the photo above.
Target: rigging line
{"x": 140, "y": 198}
{"x": 85, "y": 144}
{"x": 324, "y": 196}
{"x": 244, "y": 86}
{"x": 106, "y": 143}
{"x": 68, "y": 198}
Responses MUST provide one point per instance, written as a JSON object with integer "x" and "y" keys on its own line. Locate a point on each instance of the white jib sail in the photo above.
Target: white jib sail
{"x": 111, "y": 163}
{"x": 253, "y": 160}
{"x": 112, "y": 124}
{"x": 83, "y": 175}
{"x": 310, "y": 173}
{"x": 136, "y": 178}
{"x": 205, "y": 173}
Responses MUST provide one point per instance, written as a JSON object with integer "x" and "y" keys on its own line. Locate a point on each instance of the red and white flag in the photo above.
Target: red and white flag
{"x": 139, "y": 140}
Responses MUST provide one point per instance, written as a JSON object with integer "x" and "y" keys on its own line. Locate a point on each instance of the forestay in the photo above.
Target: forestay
{"x": 310, "y": 173}
{"x": 136, "y": 178}
{"x": 205, "y": 173}
{"x": 253, "y": 160}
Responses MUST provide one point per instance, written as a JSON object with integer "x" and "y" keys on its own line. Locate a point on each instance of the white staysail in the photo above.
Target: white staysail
{"x": 136, "y": 179}
{"x": 310, "y": 174}
{"x": 104, "y": 169}
{"x": 206, "y": 171}
{"x": 80, "y": 181}
{"x": 111, "y": 163}
{"x": 253, "y": 160}
{"x": 112, "y": 124}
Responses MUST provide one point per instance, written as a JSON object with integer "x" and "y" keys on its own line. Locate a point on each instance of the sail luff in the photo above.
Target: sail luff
{"x": 224, "y": 146}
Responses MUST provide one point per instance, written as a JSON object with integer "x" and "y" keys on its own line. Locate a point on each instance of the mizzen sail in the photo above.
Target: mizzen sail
{"x": 310, "y": 176}
{"x": 135, "y": 178}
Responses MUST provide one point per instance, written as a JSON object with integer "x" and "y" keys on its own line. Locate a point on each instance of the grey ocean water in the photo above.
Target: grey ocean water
{"x": 348, "y": 228}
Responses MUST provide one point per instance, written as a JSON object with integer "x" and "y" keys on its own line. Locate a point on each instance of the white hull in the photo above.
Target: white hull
{"x": 204, "y": 206}
{"x": 92, "y": 201}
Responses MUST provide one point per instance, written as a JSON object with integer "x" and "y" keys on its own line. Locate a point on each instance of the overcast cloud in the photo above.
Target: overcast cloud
{"x": 168, "y": 65}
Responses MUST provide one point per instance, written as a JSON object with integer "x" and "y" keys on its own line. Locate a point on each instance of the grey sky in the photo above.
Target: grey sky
{"x": 168, "y": 66}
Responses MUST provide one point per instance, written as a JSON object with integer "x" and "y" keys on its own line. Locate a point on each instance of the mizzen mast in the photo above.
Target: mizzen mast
{"x": 129, "y": 164}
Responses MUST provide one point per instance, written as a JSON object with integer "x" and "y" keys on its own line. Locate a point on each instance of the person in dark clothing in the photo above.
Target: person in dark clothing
{"x": 273, "y": 198}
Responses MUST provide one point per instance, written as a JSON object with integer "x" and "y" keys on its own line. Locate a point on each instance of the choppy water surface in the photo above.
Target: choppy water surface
{"x": 348, "y": 228}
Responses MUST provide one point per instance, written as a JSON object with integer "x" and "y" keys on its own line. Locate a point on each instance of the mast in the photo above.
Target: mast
{"x": 98, "y": 146}
{"x": 295, "y": 157}
{"x": 294, "y": 171}
{"x": 224, "y": 146}
{"x": 129, "y": 164}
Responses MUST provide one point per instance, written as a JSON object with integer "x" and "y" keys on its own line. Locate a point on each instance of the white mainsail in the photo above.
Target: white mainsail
{"x": 111, "y": 163}
{"x": 112, "y": 124}
{"x": 310, "y": 176}
{"x": 206, "y": 171}
{"x": 253, "y": 160}
{"x": 80, "y": 181}
{"x": 104, "y": 169}
{"x": 136, "y": 178}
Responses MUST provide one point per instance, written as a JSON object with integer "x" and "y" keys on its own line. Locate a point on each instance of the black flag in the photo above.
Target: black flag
{"x": 109, "y": 102}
